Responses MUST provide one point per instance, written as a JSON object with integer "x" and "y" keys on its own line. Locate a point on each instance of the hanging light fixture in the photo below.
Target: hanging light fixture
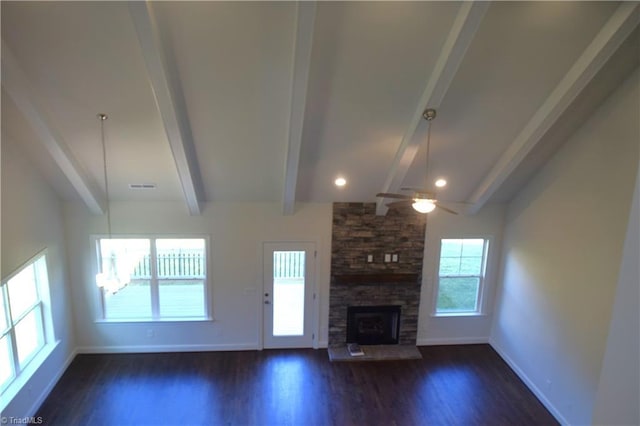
{"x": 426, "y": 205}
{"x": 422, "y": 200}
{"x": 114, "y": 278}
{"x": 423, "y": 205}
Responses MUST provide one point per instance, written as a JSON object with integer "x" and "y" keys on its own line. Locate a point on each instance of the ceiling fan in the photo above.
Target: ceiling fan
{"x": 422, "y": 200}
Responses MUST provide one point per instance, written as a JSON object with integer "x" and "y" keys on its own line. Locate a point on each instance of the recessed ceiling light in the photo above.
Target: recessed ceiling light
{"x": 340, "y": 181}
{"x": 440, "y": 183}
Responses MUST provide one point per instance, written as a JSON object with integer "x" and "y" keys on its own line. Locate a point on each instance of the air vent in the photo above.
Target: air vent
{"x": 142, "y": 186}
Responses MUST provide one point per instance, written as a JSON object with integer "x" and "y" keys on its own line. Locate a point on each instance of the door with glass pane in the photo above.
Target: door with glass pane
{"x": 288, "y": 295}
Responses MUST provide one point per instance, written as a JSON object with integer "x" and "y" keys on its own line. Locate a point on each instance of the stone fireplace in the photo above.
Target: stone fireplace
{"x": 375, "y": 261}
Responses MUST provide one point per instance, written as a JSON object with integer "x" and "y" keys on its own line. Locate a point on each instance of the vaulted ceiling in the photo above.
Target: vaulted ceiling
{"x": 271, "y": 101}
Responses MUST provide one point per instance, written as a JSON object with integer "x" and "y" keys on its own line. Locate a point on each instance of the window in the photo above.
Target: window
{"x": 460, "y": 276}
{"x": 22, "y": 331}
{"x": 161, "y": 278}
{"x": 288, "y": 293}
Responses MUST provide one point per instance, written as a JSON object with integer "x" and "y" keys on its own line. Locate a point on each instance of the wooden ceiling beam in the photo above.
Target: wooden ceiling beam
{"x": 21, "y": 90}
{"x": 170, "y": 102}
{"x": 621, "y": 23}
{"x": 305, "y": 24}
{"x": 455, "y": 46}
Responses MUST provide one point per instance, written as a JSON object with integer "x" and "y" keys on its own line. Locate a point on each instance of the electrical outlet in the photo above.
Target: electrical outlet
{"x": 394, "y": 257}
{"x": 387, "y": 257}
{"x": 369, "y": 258}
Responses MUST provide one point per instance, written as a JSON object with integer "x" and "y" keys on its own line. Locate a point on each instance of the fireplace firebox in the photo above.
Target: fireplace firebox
{"x": 373, "y": 325}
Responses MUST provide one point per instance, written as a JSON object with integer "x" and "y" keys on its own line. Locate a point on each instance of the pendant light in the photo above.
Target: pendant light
{"x": 113, "y": 279}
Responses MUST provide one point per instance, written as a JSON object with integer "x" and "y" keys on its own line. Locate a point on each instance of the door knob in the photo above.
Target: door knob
{"x": 266, "y": 302}
{"x": 266, "y": 294}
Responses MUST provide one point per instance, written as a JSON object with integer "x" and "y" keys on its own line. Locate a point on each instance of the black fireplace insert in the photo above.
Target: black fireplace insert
{"x": 373, "y": 325}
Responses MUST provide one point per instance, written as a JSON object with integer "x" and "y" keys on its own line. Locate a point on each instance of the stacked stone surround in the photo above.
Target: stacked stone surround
{"x": 358, "y": 232}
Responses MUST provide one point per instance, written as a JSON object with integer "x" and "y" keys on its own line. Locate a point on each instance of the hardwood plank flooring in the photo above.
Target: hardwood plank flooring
{"x": 451, "y": 385}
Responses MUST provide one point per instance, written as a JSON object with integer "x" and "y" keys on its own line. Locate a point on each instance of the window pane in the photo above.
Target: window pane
{"x": 29, "y": 335}
{"x": 6, "y": 365}
{"x": 451, "y": 248}
{"x": 182, "y": 298}
{"x": 181, "y": 257}
{"x": 166, "y": 282}
{"x": 22, "y": 292}
{"x": 470, "y": 265}
{"x": 131, "y": 302}
{"x": 288, "y": 293}
{"x": 449, "y": 266}
{"x": 472, "y": 247}
{"x": 125, "y": 258}
{"x": 458, "y": 294}
{"x": 4, "y": 321}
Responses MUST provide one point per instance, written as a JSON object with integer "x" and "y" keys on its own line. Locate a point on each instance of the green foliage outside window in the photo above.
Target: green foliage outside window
{"x": 460, "y": 273}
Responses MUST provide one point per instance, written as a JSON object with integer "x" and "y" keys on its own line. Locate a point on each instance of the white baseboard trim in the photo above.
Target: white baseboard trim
{"x": 451, "y": 341}
{"x": 54, "y": 380}
{"x": 527, "y": 381}
{"x": 323, "y": 344}
{"x": 166, "y": 348}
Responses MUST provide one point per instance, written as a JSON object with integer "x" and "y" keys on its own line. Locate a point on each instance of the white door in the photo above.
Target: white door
{"x": 289, "y": 269}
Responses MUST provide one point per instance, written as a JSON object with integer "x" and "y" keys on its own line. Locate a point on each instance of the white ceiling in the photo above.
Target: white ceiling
{"x": 262, "y": 113}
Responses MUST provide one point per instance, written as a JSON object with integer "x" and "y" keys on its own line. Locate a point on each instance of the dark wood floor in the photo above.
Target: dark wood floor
{"x": 452, "y": 385}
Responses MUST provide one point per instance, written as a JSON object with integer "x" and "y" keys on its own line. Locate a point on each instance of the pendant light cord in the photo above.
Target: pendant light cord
{"x": 426, "y": 172}
{"x": 102, "y": 118}
{"x": 429, "y": 114}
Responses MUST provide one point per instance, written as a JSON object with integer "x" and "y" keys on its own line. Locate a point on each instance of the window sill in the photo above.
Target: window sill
{"x": 158, "y": 321}
{"x": 458, "y": 314}
{"x": 25, "y": 375}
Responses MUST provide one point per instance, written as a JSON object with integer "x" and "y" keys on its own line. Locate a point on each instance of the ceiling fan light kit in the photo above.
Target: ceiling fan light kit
{"x": 422, "y": 205}
{"x": 422, "y": 201}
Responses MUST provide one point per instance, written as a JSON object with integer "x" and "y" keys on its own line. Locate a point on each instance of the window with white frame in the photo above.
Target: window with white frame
{"x": 22, "y": 328}
{"x": 461, "y": 275}
{"x": 158, "y": 278}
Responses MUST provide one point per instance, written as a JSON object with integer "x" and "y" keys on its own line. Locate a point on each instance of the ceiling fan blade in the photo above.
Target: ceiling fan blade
{"x": 399, "y": 203}
{"x": 446, "y": 209}
{"x": 414, "y": 188}
{"x": 390, "y": 195}
{"x": 421, "y": 192}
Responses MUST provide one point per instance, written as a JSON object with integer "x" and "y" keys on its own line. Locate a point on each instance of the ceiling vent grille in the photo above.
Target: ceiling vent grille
{"x": 142, "y": 186}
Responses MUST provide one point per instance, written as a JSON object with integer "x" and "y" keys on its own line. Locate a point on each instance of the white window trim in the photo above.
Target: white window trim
{"x": 98, "y": 294}
{"x": 35, "y": 361}
{"x": 482, "y": 288}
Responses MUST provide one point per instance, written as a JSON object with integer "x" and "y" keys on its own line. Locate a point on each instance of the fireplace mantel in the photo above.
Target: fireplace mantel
{"x": 375, "y": 279}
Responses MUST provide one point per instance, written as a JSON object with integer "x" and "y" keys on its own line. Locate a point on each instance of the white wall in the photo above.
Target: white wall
{"x": 237, "y": 232}
{"x": 562, "y": 249}
{"x": 31, "y": 221}
{"x": 619, "y": 387}
{"x": 433, "y": 330}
